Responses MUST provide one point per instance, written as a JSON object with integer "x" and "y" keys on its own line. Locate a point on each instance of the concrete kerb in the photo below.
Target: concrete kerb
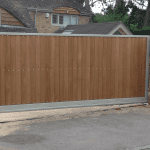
{"x": 29, "y": 115}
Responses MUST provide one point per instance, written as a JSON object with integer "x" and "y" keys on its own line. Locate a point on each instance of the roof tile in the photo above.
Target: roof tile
{"x": 91, "y": 28}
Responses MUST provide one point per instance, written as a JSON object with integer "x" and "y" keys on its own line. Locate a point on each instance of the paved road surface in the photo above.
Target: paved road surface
{"x": 121, "y": 129}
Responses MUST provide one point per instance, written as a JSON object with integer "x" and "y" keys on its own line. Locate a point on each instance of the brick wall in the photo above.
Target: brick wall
{"x": 83, "y": 20}
{"x": 32, "y": 15}
{"x": 43, "y": 24}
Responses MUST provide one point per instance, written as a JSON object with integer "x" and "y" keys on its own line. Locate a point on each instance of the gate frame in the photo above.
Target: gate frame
{"x": 82, "y": 103}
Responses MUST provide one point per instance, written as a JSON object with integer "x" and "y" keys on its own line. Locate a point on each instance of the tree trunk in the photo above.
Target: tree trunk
{"x": 147, "y": 17}
{"x": 87, "y": 5}
{"x": 117, "y": 3}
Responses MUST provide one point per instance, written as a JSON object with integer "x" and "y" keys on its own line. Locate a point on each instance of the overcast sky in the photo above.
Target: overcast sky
{"x": 98, "y": 5}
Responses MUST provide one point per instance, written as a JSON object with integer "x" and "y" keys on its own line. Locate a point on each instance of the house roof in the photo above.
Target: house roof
{"x": 18, "y": 8}
{"x": 91, "y": 28}
{"x": 16, "y": 29}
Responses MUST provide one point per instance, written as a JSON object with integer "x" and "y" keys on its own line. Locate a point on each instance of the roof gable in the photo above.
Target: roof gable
{"x": 91, "y": 28}
{"x": 117, "y": 33}
{"x": 18, "y": 8}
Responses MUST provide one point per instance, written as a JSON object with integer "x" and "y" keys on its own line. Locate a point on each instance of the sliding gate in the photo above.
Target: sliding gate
{"x": 45, "y": 68}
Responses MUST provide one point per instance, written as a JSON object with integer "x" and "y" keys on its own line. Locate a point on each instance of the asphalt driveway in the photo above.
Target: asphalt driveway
{"x": 96, "y": 128}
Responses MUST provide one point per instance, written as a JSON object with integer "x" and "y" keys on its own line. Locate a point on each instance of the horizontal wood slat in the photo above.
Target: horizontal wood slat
{"x": 65, "y": 9}
{"x": 10, "y": 23}
{"x": 53, "y": 69}
{"x": 8, "y": 19}
{"x": 122, "y": 32}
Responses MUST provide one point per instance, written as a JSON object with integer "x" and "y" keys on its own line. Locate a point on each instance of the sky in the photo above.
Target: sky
{"x": 98, "y": 5}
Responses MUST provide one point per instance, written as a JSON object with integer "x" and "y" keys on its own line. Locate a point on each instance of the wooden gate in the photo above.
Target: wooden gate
{"x": 37, "y": 68}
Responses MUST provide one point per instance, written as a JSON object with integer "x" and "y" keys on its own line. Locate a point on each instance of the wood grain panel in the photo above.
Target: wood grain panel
{"x": 139, "y": 53}
{"x": 112, "y": 68}
{"x": 61, "y": 73}
{"x": 7, "y": 75}
{"x": 28, "y": 70}
{"x": 96, "y": 68}
{"x": 56, "y": 69}
{"x": 128, "y": 49}
{"x": 33, "y": 63}
{"x": 3, "y": 65}
{"x": 70, "y": 68}
{"x": 132, "y": 65}
{"x": 66, "y": 69}
{"x": 104, "y": 68}
{"x": 23, "y": 70}
{"x": 142, "y": 66}
{"x": 65, "y": 9}
{"x": 18, "y": 71}
{"x": 75, "y": 70}
{"x": 120, "y": 68}
{"x": 108, "y": 69}
{"x": 92, "y": 64}
{"x": 136, "y": 67}
{"x": 100, "y": 64}
{"x": 124, "y": 70}
{"x": 52, "y": 62}
{"x": 116, "y": 67}
{"x": 9, "y": 19}
{"x": 88, "y": 68}
{"x": 50, "y": 69}
{"x": 13, "y": 69}
{"x": 42, "y": 83}
{"x": 47, "y": 69}
{"x": 38, "y": 69}
{"x": 80, "y": 41}
{"x": 140, "y": 81}
{"x": 83, "y": 96}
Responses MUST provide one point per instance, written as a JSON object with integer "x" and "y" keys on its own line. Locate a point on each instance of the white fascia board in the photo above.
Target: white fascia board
{"x": 124, "y": 28}
{"x": 72, "y": 35}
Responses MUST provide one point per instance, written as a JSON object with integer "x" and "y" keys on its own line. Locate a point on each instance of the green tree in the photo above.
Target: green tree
{"x": 113, "y": 17}
{"x": 114, "y": 14}
{"x": 119, "y": 13}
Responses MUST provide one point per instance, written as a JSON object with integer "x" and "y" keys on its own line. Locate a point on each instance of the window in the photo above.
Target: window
{"x": 61, "y": 20}
{"x": 55, "y": 19}
{"x": 73, "y": 20}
